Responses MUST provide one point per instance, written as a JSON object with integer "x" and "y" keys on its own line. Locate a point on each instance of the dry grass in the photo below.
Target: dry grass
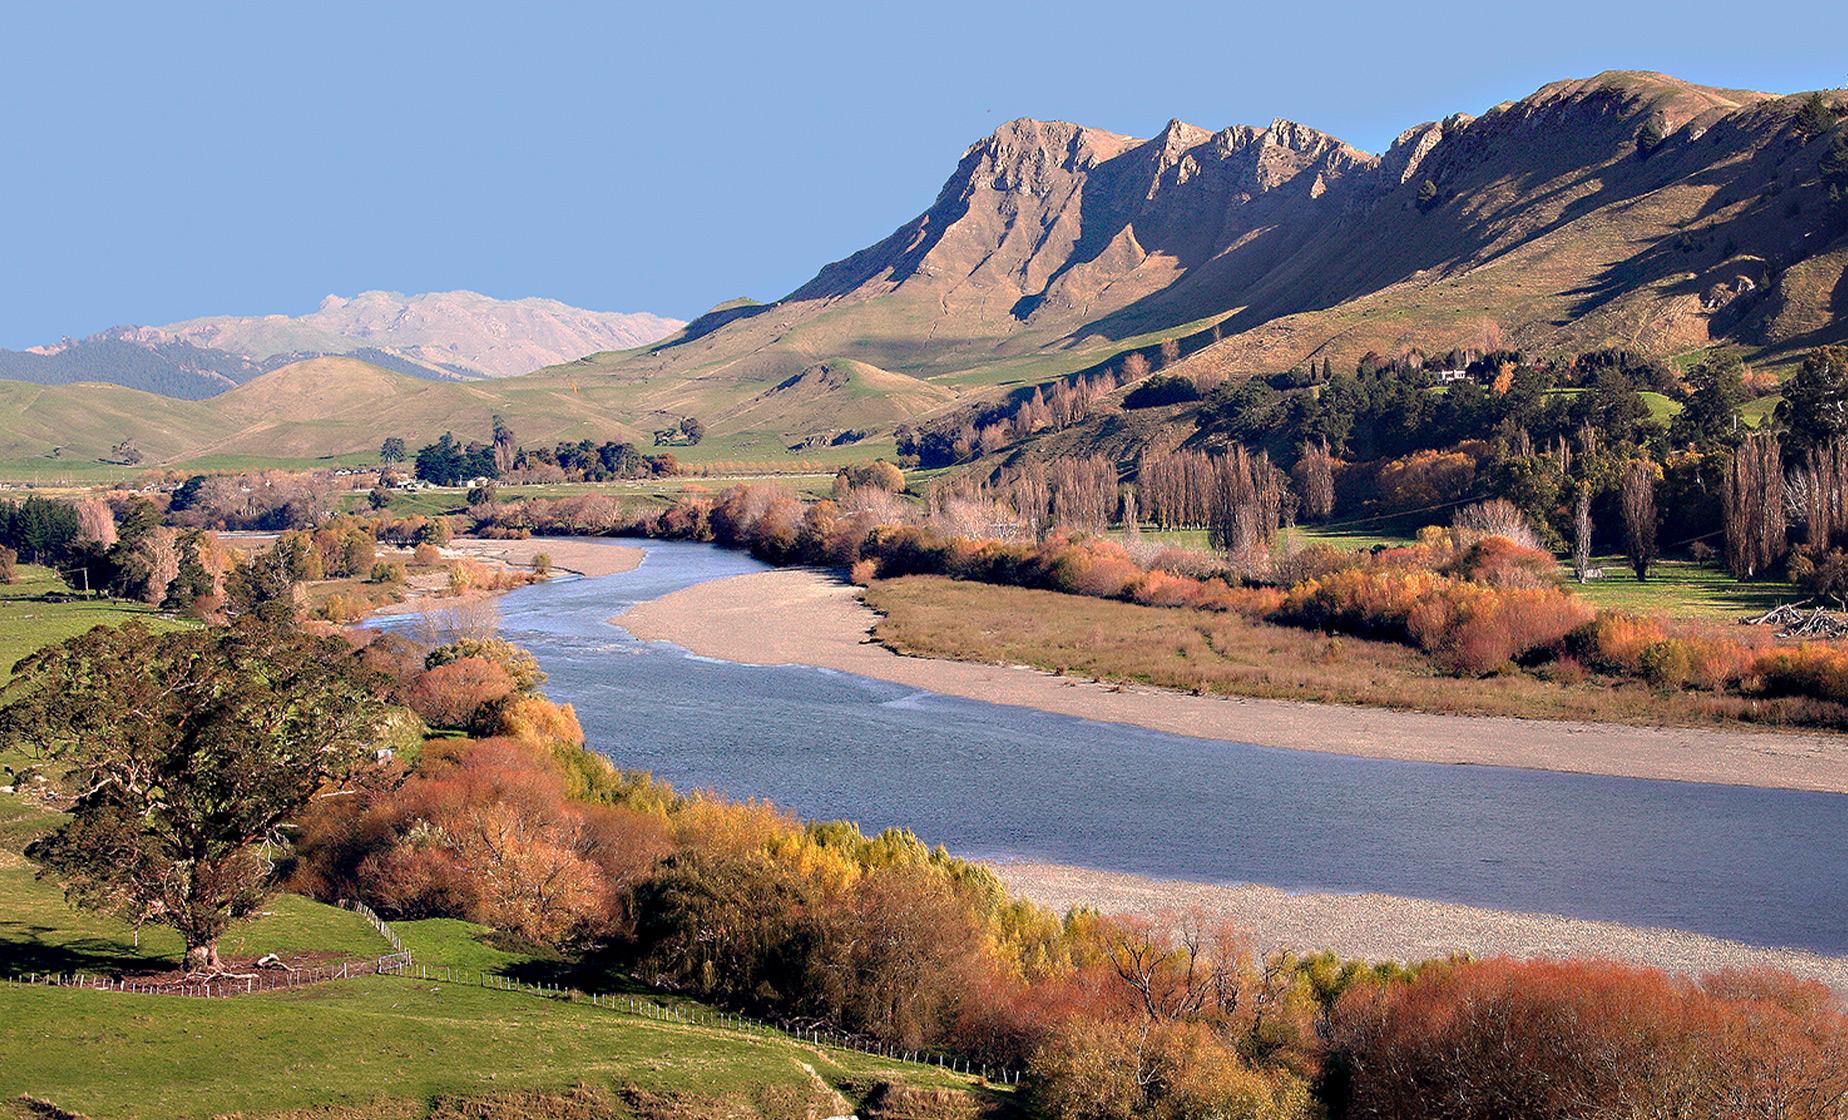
{"x": 1211, "y": 653}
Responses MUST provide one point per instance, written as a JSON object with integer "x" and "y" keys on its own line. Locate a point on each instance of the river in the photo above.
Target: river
{"x": 1762, "y": 866}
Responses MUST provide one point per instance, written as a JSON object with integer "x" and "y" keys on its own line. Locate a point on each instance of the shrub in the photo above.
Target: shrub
{"x": 1425, "y": 478}
{"x": 459, "y": 693}
{"x": 1162, "y": 389}
{"x": 1501, "y": 562}
{"x": 1668, "y": 664}
{"x": 1616, "y": 641}
{"x": 863, "y": 572}
{"x": 877, "y": 475}
{"x": 1314, "y": 562}
{"x": 1088, "y": 1069}
{"x": 1165, "y": 589}
{"x": 1469, "y": 628}
{"x": 1497, "y": 517}
{"x": 522, "y": 667}
{"x": 1551, "y": 1040}
{"x": 8, "y": 560}
{"x": 1814, "y": 669}
{"x": 425, "y": 555}
{"x": 1254, "y": 603}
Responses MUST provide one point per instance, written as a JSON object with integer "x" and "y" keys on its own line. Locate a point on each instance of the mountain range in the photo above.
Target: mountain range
{"x": 1629, "y": 209}
{"x": 456, "y": 336}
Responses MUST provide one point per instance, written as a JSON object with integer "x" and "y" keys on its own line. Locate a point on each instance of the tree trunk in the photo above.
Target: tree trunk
{"x": 202, "y": 956}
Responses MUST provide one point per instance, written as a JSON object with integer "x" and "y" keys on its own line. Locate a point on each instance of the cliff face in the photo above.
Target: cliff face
{"x": 1627, "y": 209}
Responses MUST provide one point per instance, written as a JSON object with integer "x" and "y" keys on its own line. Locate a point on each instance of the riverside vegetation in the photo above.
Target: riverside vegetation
{"x": 504, "y": 819}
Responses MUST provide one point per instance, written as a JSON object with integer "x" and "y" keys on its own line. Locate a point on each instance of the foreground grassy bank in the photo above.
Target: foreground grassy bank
{"x": 388, "y": 1047}
{"x": 378, "y": 1046}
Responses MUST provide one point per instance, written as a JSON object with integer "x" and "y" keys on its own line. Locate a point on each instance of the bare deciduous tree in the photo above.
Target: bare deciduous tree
{"x": 1752, "y": 505}
{"x": 1581, "y": 534}
{"x": 1248, "y": 505}
{"x": 1639, "y": 515}
{"x": 1084, "y": 492}
{"x": 1315, "y": 481}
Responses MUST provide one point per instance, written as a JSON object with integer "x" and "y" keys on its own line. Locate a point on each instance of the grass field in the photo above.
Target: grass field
{"x": 1207, "y": 652}
{"x": 646, "y": 491}
{"x": 1683, "y": 589}
{"x": 396, "y": 1045}
{"x": 28, "y": 621}
{"x": 372, "y": 1047}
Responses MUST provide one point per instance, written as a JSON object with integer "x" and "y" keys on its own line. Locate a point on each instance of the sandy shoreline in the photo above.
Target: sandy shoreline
{"x": 794, "y": 616}
{"x": 586, "y": 556}
{"x": 1387, "y": 927}
{"x": 805, "y": 617}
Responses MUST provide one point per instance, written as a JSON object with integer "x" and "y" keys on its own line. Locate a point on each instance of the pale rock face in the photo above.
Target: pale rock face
{"x": 1409, "y": 150}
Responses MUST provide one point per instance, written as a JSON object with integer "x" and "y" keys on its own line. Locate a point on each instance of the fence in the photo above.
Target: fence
{"x": 219, "y": 985}
{"x": 718, "y": 1020}
{"x": 399, "y": 963}
{"x": 378, "y": 923}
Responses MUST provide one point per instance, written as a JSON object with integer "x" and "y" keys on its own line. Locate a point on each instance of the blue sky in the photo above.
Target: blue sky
{"x": 167, "y": 161}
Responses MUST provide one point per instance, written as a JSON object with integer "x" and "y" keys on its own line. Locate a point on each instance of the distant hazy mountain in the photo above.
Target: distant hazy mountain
{"x": 447, "y": 335}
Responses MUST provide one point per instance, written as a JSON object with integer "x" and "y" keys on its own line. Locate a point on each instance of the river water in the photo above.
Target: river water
{"x": 1768, "y": 867}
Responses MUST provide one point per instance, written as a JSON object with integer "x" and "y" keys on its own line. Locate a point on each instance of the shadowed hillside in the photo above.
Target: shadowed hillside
{"x": 1628, "y": 209}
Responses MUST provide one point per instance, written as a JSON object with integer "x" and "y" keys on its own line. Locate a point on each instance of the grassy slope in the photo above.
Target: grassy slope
{"x": 28, "y": 623}
{"x": 640, "y": 492}
{"x": 375, "y": 1039}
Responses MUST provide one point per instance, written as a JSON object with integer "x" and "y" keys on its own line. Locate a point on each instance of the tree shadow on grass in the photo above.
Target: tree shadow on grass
{"x": 23, "y": 950}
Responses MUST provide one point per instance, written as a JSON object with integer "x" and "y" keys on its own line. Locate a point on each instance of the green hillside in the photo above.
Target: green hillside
{"x": 36, "y": 610}
{"x": 329, "y": 411}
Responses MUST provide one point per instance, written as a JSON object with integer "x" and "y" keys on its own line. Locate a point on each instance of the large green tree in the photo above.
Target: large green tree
{"x": 188, "y": 752}
{"x": 1815, "y": 405}
{"x": 1716, "y": 390}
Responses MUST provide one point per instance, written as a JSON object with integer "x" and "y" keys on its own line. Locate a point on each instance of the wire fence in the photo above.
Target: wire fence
{"x": 662, "y": 1011}
{"x": 217, "y": 985}
{"x": 400, "y": 964}
{"x": 377, "y": 922}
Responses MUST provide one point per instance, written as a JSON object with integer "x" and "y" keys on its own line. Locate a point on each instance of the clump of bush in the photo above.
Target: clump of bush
{"x": 1162, "y": 389}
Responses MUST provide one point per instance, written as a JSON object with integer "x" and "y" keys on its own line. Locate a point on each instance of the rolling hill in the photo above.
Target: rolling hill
{"x": 322, "y": 407}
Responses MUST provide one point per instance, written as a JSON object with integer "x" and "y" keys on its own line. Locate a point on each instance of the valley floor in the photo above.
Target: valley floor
{"x": 806, "y": 617}
{"x": 796, "y": 616}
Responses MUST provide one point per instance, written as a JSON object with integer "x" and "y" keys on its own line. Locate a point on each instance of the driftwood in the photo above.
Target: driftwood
{"x": 1800, "y": 620}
